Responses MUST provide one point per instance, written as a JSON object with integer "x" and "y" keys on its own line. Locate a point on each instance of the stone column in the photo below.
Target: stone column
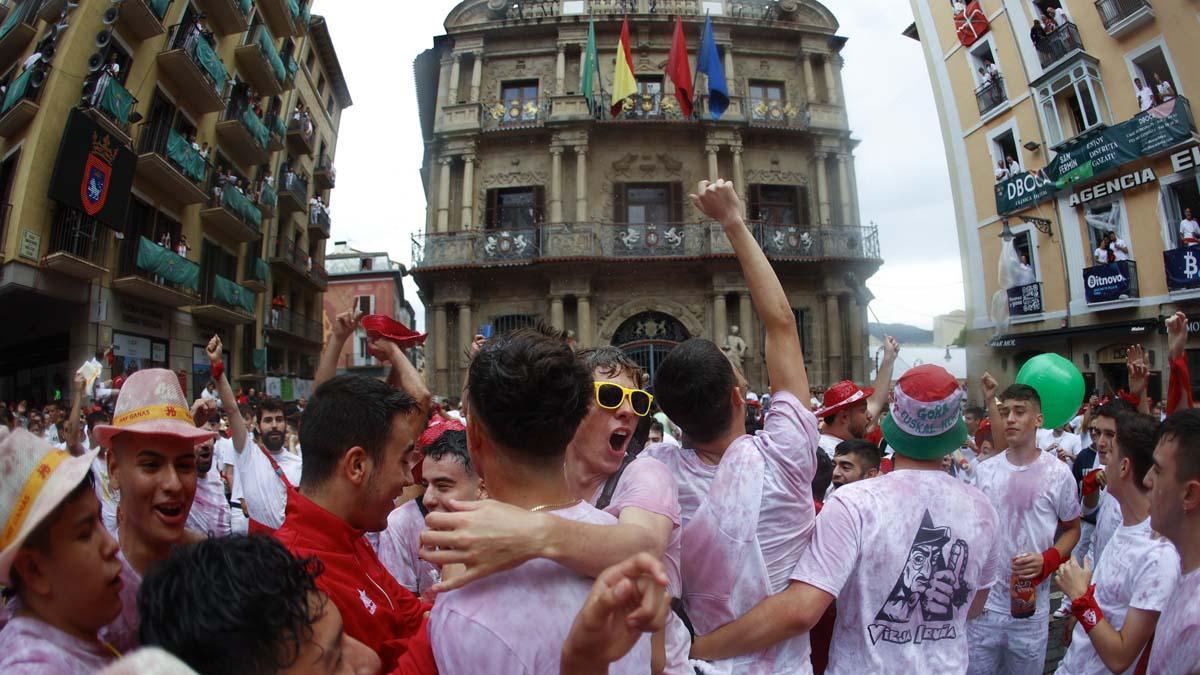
{"x": 730, "y": 80}
{"x": 583, "y": 314}
{"x": 739, "y": 177}
{"x": 476, "y": 76}
{"x": 822, "y": 189}
{"x": 844, "y": 188}
{"x": 810, "y": 84}
{"x": 830, "y": 81}
{"x": 581, "y": 186}
{"x": 556, "y": 152}
{"x": 556, "y": 312}
{"x": 719, "y": 326}
{"x": 443, "y": 208}
{"x": 560, "y": 71}
{"x": 833, "y": 345}
{"x": 468, "y": 193}
{"x": 452, "y": 92}
{"x": 746, "y": 323}
{"x": 857, "y": 355}
{"x": 441, "y": 340}
{"x": 712, "y": 161}
{"x": 466, "y": 333}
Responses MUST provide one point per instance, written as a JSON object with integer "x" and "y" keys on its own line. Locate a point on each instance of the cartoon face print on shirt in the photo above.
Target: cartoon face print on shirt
{"x": 930, "y": 580}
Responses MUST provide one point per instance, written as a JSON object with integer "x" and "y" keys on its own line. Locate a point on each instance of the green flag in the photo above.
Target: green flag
{"x": 590, "y": 62}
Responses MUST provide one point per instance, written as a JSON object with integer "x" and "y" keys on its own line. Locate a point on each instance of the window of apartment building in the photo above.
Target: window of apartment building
{"x": 766, "y": 97}
{"x": 1181, "y": 191}
{"x": 310, "y": 61}
{"x": 1073, "y": 103}
{"x": 804, "y": 328}
{"x": 507, "y": 323}
{"x": 514, "y": 208}
{"x": 647, "y": 203}
{"x": 215, "y": 259}
{"x": 1154, "y": 69}
{"x": 320, "y": 85}
{"x": 989, "y": 83}
{"x": 1004, "y": 148}
{"x": 329, "y": 104}
{"x": 1102, "y": 217}
{"x": 780, "y": 204}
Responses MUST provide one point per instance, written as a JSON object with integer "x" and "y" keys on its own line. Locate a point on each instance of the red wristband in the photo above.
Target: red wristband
{"x": 218, "y": 369}
{"x": 1051, "y": 560}
{"x": 1087, "y": 610}
{"x": 1131, "y": 398}
{"x": 1091, "y": 482}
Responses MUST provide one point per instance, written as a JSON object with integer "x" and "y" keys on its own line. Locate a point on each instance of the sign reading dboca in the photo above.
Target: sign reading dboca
{"x": 1148, "y": 133}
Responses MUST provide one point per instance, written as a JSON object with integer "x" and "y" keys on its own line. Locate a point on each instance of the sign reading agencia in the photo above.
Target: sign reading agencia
{"x": 1113, "y": 186}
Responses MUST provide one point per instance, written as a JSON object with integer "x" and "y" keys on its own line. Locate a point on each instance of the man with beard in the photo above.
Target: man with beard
{"x": 854, "y": 461}
{"x": 1174, "y": 483}
{"x": 152, "y": 465}
{"x": 266, "y": 473}
{"x": 359, "y": 442}
{"x": 847, "y": 411}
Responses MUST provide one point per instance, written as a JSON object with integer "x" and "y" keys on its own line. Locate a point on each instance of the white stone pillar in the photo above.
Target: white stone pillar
{"x": 712, "y": 161}
{"x": 441, "y": 348}
{"x": 581, "y": 185}
{"x": 810, "y": 84}
{"x": 476, "y": 76}
{"x": 830, "y": 80}
{"x": 730, "y": 80}
{"x": 443, "y": 207}
{"x": 844, "y": 188}
{"x": 556, "y": 184}
{"x": 746, "y": 323}
{"x": 719, "y": 319}
{"x": 466, "y": 333}
{"x": 556, "y": 312}
{"x": 822, "y": 189}
{"x": 833, "y": 349}
{"x": 583, "y": 313}
{"x": 739, "y": 177}
{"x": 468, "y": 193}
{"x": 560, "y": 71}
{"x": 452, "y": 94}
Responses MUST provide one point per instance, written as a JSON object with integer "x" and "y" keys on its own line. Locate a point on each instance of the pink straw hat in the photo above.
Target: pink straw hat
{"x": 34, "y": 480}
{"x": 151, "y": 402}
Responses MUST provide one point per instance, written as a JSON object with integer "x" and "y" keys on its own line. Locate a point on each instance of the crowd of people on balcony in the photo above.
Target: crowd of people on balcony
{"x": 303, "y": 119}
{"x": 1111, "y": 249}
{"x": 1007, "y": 168}
{"x": 1148, "y": 97}
{"x": 1045, "y": 34}
{"x": 316, "y": 207}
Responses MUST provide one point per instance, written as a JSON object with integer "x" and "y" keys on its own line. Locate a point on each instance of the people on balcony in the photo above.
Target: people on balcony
{"x": 1144, "y": 94}
{"x": 1189, "y": 229}
{"x": 1166, "y": 91}
{"x": 1024, "y": 274}
{"x": 182, "y": 247}
{"x": 1001, "y": 171}
{"x": 303, "y": 119}
{"x": 316, "y": 206}
{"x": 1039, "y": 36}
{"x": 1112, "y": 249}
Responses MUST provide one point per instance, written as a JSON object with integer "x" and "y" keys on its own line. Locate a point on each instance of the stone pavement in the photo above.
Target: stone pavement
{"x": 1055, "y": 649}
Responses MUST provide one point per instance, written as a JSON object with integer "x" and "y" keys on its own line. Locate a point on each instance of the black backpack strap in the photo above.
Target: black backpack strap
{"x": 610, "y": 485}
{"x": 677, "y": 607}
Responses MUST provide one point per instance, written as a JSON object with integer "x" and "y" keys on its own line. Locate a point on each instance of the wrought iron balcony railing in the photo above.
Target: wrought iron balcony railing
{"x": 1060, "y": 42}
{"x": 1114, "y": 12}
{"x": 990, "y": 95}
{"x": 516, "y": 113}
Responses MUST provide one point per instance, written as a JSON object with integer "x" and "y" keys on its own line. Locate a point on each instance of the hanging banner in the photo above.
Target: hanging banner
{"x": 969, "y": 22}
{"x": 1183, "y": 268}
{"x": 1023, "y": 191}
{"x": 1025, "y": 300}
{"x": 1114, "y": 281}
{"x": 94, "y": 171}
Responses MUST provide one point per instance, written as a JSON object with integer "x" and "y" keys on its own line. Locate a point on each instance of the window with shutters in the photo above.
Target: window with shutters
{"x": 779, "y": 204}
{"x": 647, "y": 203}
{"x": 514, "y": 208}
{"x": 766, "y": 100}
{"x": 510, "y": 322}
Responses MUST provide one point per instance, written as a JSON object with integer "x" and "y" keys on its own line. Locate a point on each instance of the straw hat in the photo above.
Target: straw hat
{"x": 34, "y": 480}
{"x": 151, "y": 402}
{"x": 926, "y": 420}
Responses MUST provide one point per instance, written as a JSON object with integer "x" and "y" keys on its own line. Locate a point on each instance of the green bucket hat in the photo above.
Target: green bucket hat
{"x": 926, "y": 420}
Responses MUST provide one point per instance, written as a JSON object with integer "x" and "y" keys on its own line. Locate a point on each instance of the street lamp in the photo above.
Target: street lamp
{"x": 1043, "y": 225}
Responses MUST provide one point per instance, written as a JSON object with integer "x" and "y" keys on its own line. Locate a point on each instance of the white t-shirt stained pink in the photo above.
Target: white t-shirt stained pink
{"x": 647, "y": 484}
{"x": 1030, "y": 500}
{"x": 744, "y": 540}
{"x": 31, "y": 647}
{"x": 210, "y": 513}
{"x": 1139, "y": 570}
{"x": 399, "y": 545}
{"x": 829, "y": 444}
{"x": 693, "y": 476}
{"x": 1176, "y": 649}
{"x": 265, "y": 494}
{"x": 1108, "y": 519}
{"x": 515, "y": 622}
{"x": 904, "y": 554}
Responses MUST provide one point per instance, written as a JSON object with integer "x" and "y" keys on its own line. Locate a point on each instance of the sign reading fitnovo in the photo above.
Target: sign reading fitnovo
{"x": 1118, "y": 184}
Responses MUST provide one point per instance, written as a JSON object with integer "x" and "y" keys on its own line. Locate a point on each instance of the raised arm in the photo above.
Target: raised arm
{"x": 71, "y": 429}
{"x": 403, "y": 376}
{"x": 1139, "y": 377}
{"x": 785, "y": 358}
{"x": 779, "y": 617}
{"x": 343, "y": 327}
{"x": 989, "y": 386}
{"x": 883, "y": 379}
{"x": 1179, "y": 383}
{"x": 237, "y": 426}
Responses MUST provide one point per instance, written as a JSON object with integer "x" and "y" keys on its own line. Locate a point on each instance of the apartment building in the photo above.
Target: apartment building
{"x": 372, "y": 283}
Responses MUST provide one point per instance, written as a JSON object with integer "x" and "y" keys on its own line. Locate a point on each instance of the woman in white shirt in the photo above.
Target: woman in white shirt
{"x": 1166, "y": 92}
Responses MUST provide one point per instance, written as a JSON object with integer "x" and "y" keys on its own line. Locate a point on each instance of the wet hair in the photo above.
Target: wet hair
{"x": 451, "y": 443}
{"x": 1135, "y": 441}
{"x": 1114, "y": 409}
{"x": 864, "y": 450}
{"x": 693, "y": 384}
{"x": 237, "y": 604}
{"x": 1183, "y": 428}
{"x": 1021, "y": 392}
{"x": 612, "y": 362}
{"x": 348, "y": 411}
{"x": 978, "y": 412}
{"x": 823, "y": 477}
{"x": 273, "y": 404}
{"x": 530, "y": 392}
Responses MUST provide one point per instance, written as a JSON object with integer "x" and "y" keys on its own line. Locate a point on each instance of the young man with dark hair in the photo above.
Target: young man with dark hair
{"x": 1096, "y": 501}
{"x": 210, "y": 513}
{"x": 264, "y": 603}
{"x": 265, "y": 473}
{"x": 847, "y": 412}
{"x": 56, "y": 558}
{"x": 854, "y": 461}
{"x": 527, "y": 393}
{"x": 104, "y": 491}
{"x": 908, "y": 556}
{"x": 1035, "y": 497}
{"x": 1118, "y": 607}
{"x": 359, "y": 443}
{"x": 1174, "y": 483}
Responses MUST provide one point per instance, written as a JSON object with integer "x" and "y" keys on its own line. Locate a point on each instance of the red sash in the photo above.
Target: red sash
{"x": 253, "y": 526}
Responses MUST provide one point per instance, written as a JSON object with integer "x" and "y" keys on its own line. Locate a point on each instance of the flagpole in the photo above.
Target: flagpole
{"x": 696, "y": 74}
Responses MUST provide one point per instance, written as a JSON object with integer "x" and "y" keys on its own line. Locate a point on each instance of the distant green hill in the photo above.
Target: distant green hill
{"x": 903, "y": 332}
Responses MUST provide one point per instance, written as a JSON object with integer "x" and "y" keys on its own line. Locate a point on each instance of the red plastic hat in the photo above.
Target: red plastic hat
{"x": 380, "y": 326}
{"x": 841, "y": 396}
{"x": 983, "y": 433}
{"x": 437, "y": 427}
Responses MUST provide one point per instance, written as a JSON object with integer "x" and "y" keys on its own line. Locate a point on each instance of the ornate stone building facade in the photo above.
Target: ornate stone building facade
{"x": 545, "y": 206}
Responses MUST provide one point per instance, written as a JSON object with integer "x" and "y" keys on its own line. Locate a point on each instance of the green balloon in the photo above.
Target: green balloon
{"x": 1059, "y": 384}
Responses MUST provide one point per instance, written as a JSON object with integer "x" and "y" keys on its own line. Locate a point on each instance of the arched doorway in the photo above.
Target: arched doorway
{"x": 648, "y": 337}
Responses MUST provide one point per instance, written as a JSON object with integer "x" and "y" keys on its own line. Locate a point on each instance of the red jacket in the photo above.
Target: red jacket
{"x": 376, "y": 609}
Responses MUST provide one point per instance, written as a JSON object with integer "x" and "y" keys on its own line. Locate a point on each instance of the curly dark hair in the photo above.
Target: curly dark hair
{"x": 693, "y": 384}
{"x": 452, "y": 443}
{"x": 238, "y": 604}
{"x": 611, "y": 362}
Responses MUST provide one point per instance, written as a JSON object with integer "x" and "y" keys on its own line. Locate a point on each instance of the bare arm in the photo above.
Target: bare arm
{"x": 883, "y": 379}
{"x": 1068, "y": 538}
{"x": 343, "y": 327}
{"x": 237, "y": 426}
{"x": 1139, "y": 376}
{"x": 978, "y": 604}
{"x": 785, "y": 358}
{"x": 71, "y": 429}
{"x": 403, "y": 376}
{"x": 1118, "y": 649}
{"x": 779, "y": 617}
{"x": 989, "y": 386}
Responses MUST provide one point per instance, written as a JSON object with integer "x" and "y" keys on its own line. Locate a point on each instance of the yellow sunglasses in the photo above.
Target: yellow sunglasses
{"x": 610, "y": 396}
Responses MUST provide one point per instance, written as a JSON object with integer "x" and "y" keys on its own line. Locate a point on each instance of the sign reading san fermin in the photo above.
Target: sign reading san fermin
{"x": 94, "y": 171}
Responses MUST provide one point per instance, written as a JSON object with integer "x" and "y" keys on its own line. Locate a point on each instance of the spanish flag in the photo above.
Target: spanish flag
{"x": 624, "y": 84}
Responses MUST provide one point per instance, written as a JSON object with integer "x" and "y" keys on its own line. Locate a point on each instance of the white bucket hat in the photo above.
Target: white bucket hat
{"x": 34, "y": 479}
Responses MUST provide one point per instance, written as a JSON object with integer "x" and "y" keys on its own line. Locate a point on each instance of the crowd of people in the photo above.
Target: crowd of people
{"x": 567, "y": 519}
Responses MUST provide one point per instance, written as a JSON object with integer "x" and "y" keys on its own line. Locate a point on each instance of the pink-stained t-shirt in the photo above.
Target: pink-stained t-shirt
{"x": 647, "y": 484}
{"x": 1108, "y": 519}
{"x": 210, "y": 513}
{"x": 1139, "y": 570}
{"x": 692, "y": 475}
{"x": 122, "y": 633}
{"x": 1176, "y": 648}
{"x": 1030, "y": 500}
{"x": 904, "y": 554}
{"x": 31, "y": 647}
{"x": 399, "y": 545}
{"x": 516, "y": 621}
{"x": 744, "y": 540}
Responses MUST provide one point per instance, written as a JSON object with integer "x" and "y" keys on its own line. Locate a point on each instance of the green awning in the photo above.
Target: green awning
{"x": 16, "y": 15}
{"x": 241, "y": 205}
{"x": 261, "y": 271}
{"x": 168, "y": 265}
{"x": 209, "y": 61}
{"x": 267, "y": 45}
{"x": 267, "y": 196}
{"x": 279, "y": 126}
{"x": 16, "y": 90}
{"x": 185, "y": 157}
{"x": 115, "y": 99}
{"x": 257, "y": 129}
{"x": 233, "y": 295}
{"x": 159, "y": 7}
{"x": 294, "y": 6}
{"x": 245, "y": 5}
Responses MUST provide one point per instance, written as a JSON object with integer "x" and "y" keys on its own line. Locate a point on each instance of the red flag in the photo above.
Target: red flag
{"x": 679, "y": 70}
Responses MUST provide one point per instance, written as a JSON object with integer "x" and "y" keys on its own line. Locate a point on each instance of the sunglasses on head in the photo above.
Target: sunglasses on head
{"x": 610, "y": 396}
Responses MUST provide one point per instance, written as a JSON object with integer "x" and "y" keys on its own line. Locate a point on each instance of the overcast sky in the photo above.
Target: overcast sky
{"x": 902, "y": 178}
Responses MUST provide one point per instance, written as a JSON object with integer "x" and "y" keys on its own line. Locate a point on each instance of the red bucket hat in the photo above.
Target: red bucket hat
{"x": 841, "y": 396}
